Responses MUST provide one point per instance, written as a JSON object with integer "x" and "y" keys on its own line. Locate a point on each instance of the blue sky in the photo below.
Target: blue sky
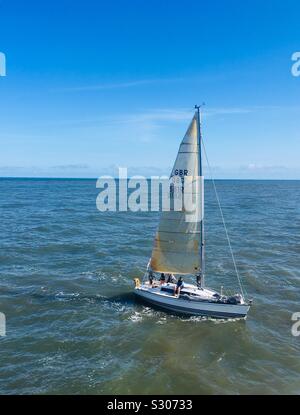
{"x": 94, "y": 85}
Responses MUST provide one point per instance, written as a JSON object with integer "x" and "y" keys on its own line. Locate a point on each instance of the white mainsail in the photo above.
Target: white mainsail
{"x": 177, "y": 242}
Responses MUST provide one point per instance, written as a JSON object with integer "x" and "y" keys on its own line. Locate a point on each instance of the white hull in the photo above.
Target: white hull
{"x": 204, "y": 306}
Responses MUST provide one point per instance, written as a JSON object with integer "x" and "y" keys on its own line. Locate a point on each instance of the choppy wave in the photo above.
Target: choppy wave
{"x": 74, "y": 326}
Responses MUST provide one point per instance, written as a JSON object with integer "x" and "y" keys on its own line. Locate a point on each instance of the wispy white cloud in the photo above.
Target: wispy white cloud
{"x": 257, "y": 168}
{"x": 185, "y": 114}
{"x": 161, "y": 115}
{"x": 116, "y": 85}
{"x": 253, "y": 171}
{"x": 196, "y": 79}
{"x": 71, "y": 167}
{"x": 172, "y": 115}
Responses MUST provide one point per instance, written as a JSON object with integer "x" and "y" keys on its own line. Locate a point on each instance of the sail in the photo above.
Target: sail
{"x": 177, "y": 242}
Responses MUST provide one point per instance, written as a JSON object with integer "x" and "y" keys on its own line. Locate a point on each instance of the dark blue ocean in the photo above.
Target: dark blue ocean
{"x": 73, "y": 325}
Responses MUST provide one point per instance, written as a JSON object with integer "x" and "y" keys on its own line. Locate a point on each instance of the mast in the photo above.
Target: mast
{"x": 200, "y": 276}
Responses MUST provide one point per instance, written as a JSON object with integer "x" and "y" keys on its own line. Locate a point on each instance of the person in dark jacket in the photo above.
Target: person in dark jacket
{"x": 150, "y": 278}
{"x": 179, "y": 286}
{"x": 171, "y": 279}
{"x": 162, "y": 278}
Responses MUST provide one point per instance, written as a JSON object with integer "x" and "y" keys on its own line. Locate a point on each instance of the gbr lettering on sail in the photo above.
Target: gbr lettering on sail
{"x": 180, "y": 172}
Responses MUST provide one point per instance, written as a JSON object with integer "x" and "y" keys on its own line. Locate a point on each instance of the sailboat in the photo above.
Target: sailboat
{"x": 178, "y": 250}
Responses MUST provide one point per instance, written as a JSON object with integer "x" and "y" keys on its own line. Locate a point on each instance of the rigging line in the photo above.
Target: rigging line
{"x": 223, "y": 220}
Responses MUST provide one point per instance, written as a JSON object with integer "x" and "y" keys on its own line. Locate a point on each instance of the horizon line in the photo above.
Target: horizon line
{"x": 146, "y": 177}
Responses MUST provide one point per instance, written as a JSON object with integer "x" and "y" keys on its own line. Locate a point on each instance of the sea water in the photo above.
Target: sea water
{"x": 74, "y": 326}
